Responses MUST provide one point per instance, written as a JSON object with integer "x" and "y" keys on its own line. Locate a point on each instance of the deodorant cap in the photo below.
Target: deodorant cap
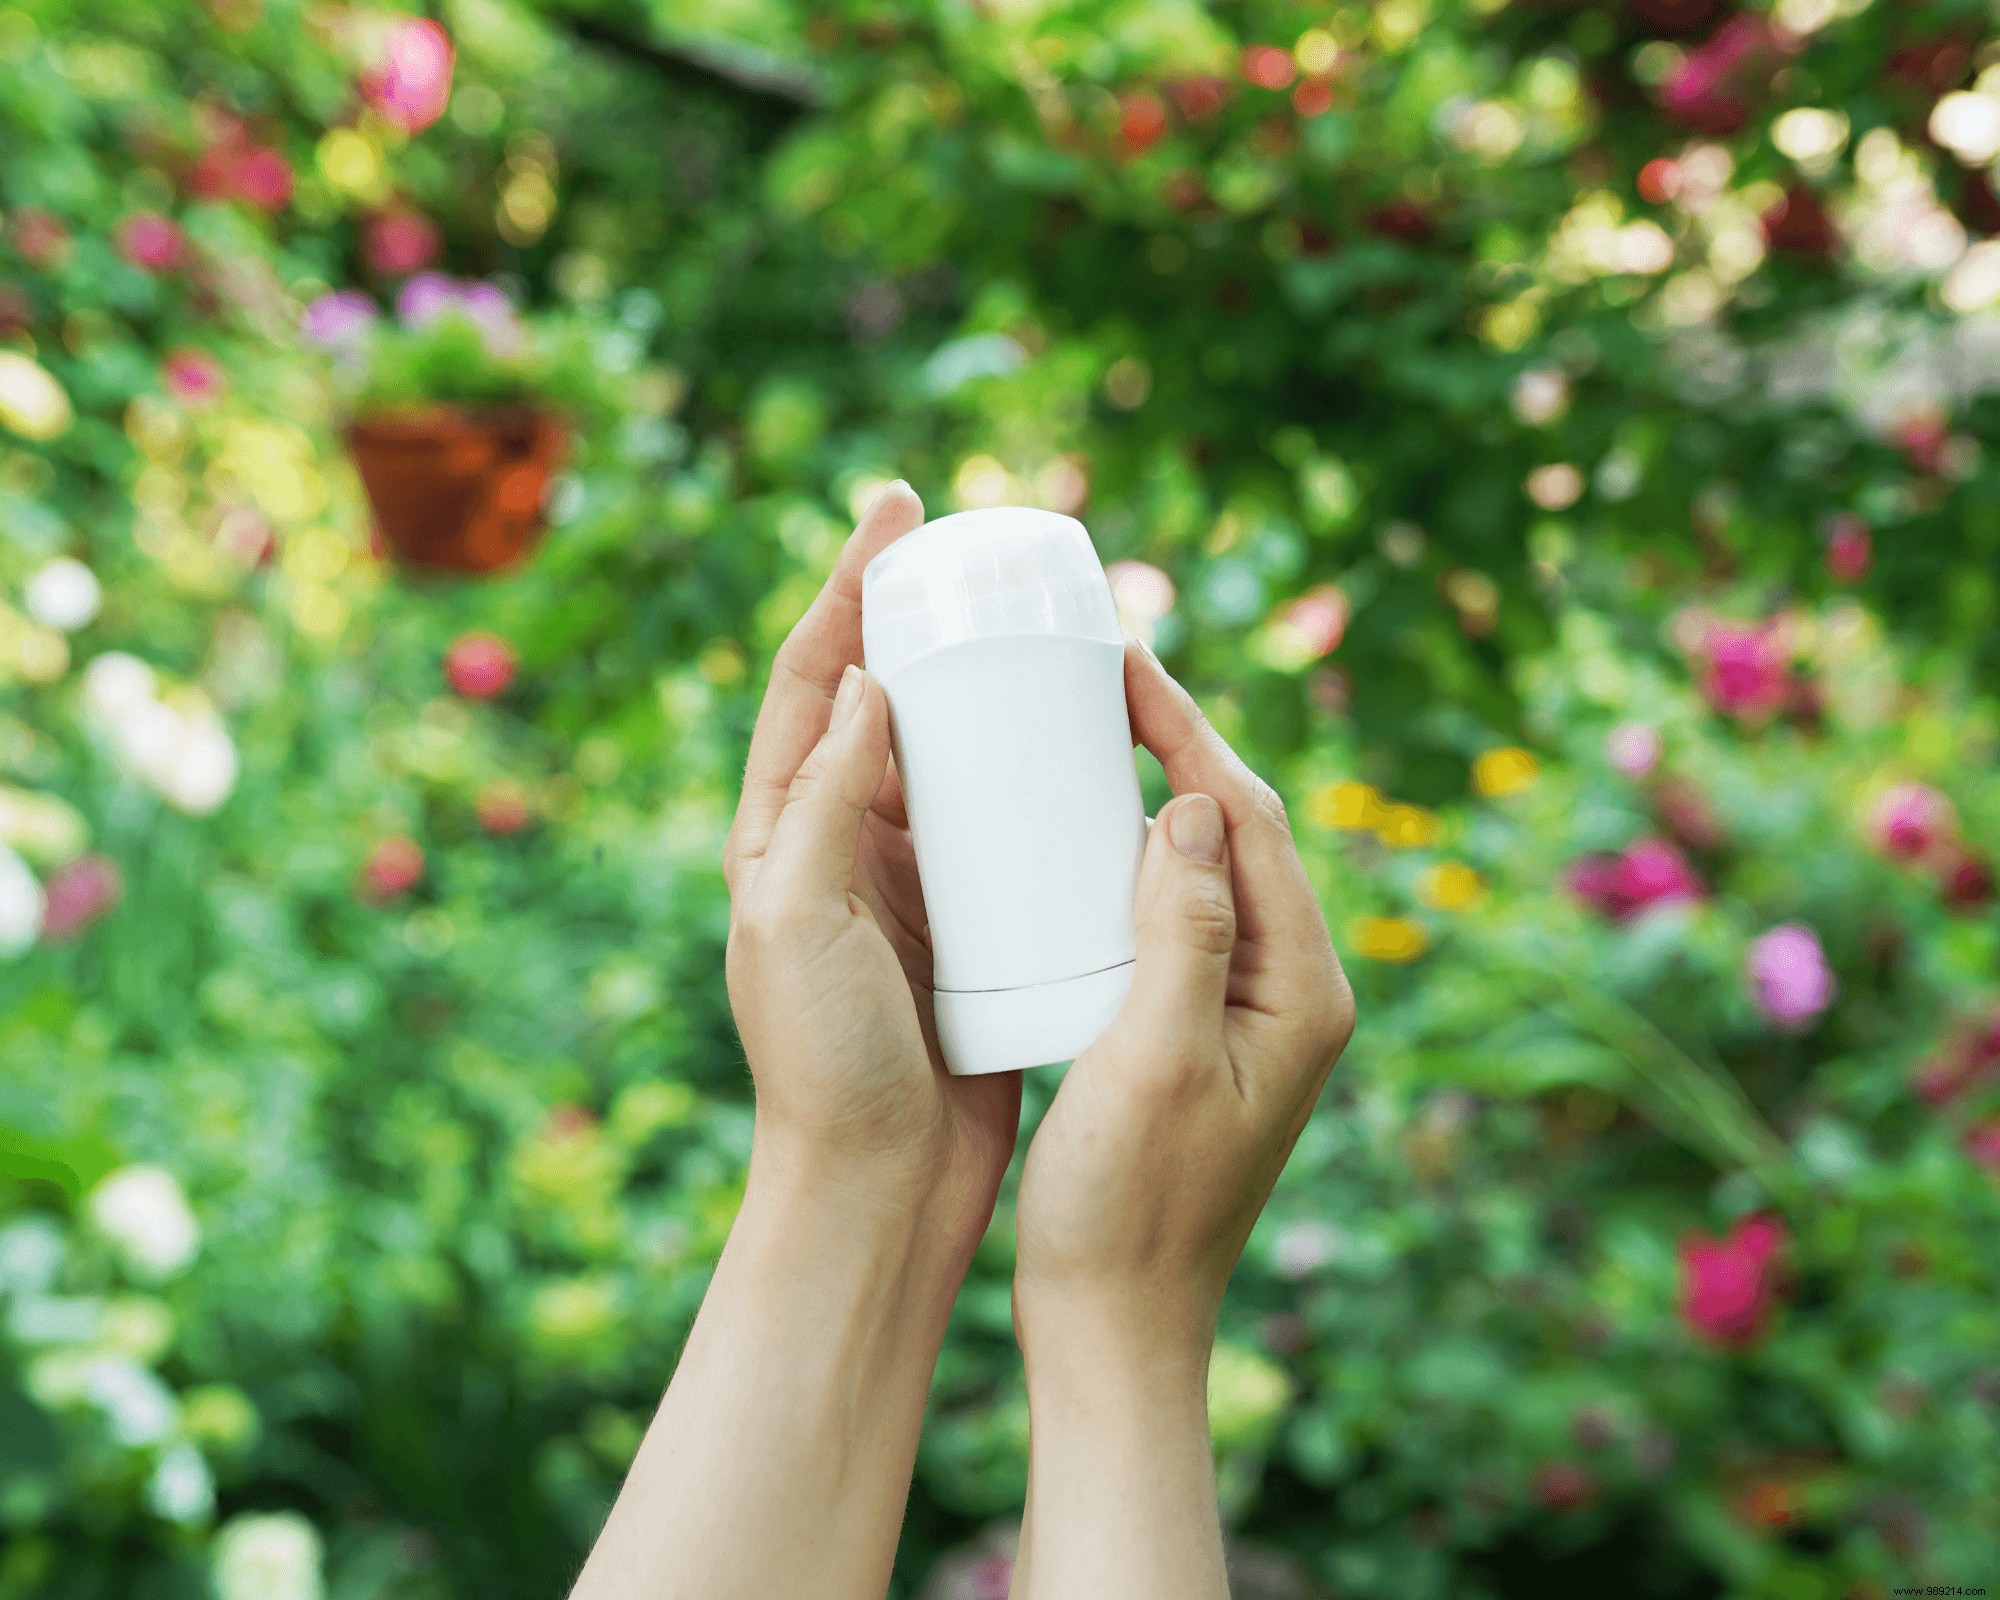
{"x": 978, "y": 574}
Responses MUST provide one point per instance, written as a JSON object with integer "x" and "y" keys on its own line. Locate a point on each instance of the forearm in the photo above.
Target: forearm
{"x": 1121, "y": 1479}
{"x": 779, "y": 1462}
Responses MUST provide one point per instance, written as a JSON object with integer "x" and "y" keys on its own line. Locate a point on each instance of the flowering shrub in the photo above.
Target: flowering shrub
{"x": 1550, "y": 441}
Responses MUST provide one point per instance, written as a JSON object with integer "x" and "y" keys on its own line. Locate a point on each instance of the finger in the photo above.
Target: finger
{"x": 811, "y": 852}
{"x": 806, "y": 674}
{"x": 1274, "y": 899}
{"x": 1186, "y": 916}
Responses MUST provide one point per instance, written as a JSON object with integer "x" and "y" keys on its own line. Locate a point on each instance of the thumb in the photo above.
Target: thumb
{"x": 812, "y": 848}
{"x": 1186, "y": 915}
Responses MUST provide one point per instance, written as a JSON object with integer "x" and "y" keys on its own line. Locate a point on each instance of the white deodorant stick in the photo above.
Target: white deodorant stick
{"x": 995, "y": 637}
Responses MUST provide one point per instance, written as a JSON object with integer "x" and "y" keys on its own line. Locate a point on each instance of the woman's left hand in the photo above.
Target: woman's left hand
{"x": 829, "y": 956}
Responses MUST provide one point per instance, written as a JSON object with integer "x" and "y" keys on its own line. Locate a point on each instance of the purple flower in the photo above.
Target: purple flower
{"x": 340, "y": 320}
{"x": 425, "y": 298}
{"x": 1789, "y": 977}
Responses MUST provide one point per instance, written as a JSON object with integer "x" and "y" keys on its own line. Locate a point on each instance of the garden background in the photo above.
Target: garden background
{"x": 1554, "y": 439}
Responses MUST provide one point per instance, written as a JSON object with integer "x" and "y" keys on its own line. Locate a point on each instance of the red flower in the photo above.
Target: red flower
{"x": 1965, "y": 880}
{"x": 1659, "y": 181}
{"x": 1268, "y": 67}
{"x": 1142, "y": 122}
{"x": 1796, "y": 224}
{"x": 42, "y": 241}
{"x": 264, "y": 179}
{"x": 149, "y": 240}
{"x": 1313, "y": 98}
{"x": 398, "y": 243}
{"x": 1650, "y": 873}
{"x": 479, "y": 665}
{"x": 1746, "y": 671}
{"x": 1563, "y": 1486}
{"x": 1400, "y": 219}
{"x": 78, "y": 895}
{"x": 392, "y": 870}
{"x": 1727, "y": 1284}
{"x": 1199, "y": 98}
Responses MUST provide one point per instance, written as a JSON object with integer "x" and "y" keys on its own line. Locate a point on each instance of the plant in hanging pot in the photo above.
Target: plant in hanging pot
{"x": 458, "y": 417}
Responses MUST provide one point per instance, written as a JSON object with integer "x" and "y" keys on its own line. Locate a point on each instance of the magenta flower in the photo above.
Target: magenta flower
{"x": 1727, "y": 1284}
{"x": 149, "y": 240}
{"x": 411, "y": 83}
{"x": 340, "y": 321}
{"x": 1633, "y": 748}
{"x": 78, "y": 895}
{"x": 1982, "y": 1143}
{"x": 1789, "y": 977}
{"x": 1648, "y": 874}
{"x": 1910, "y": 820}
{"x": 1746, "y": 670}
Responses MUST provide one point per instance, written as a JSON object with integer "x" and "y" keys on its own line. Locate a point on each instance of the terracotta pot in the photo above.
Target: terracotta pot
{"x": 458, "y": 491}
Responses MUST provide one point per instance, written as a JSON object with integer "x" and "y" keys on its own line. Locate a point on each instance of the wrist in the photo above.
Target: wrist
{"x": 1091, "y": 1339}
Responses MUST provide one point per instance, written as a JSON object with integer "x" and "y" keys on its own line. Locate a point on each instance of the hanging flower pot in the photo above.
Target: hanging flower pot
{"x": 456, "y": 489}
{"x": 460, "y": 408}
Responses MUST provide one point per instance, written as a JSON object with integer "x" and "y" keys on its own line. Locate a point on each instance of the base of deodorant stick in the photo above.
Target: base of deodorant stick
{"x": 1006, "y": 1030}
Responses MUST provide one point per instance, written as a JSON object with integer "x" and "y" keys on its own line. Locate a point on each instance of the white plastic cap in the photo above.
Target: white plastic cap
{"x": 977, "y": 574}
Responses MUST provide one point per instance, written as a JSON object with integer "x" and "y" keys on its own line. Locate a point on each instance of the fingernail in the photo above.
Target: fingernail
{"x": 886, "y": 490}
{"x": 847, "y": 697}
{"x": 1195, "y": 826}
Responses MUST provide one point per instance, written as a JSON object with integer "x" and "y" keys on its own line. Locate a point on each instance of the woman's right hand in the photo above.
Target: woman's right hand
{"x": 1166, "y": 1137}
{"x": 1149, "y": 1169}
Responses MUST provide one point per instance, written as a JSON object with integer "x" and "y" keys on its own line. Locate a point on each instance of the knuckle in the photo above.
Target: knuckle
{"x": 1268, "y": 806}
{"x": 1207, "y": 921}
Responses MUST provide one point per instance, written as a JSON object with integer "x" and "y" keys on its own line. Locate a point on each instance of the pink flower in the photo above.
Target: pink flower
{"x": 1965, "y": 880}
{"x": 1316, "y": 620}
{"x": 341, "y": 320}
{"x": 393, "y": 868}
{"x": 479, "y": 666}
{"x": 149, "y": 240}
{"x": 1650, "y": 873}
{"x": 1910, "y": 820}
{"x": 1633, "y": 748}
{"x": 263, "y": 177}
{"x": 1982, "y": 1143}
{"x": 1789, "y": 977}
{"x": 1746, "y": 670}
{"x": 78, "y": 895}
{"x": 398, "y": 243}
{"x": 193, "y": 377}
{"x": 1727, "y": 1284}
{"x": 411, "y": 83}
{"x": 1850, "y": 551}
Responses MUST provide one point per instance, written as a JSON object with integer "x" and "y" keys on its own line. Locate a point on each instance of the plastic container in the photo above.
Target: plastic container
{"x": 995, "y": 637}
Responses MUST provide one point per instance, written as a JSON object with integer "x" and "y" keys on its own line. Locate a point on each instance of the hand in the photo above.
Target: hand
{"x": 829, "y": 955}
{"x": 1142, "y": 1183}
{"x": 1167, "y": 1136}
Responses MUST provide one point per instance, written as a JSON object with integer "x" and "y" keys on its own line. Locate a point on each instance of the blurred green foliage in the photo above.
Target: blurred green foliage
{"x": 1449, "y": 373}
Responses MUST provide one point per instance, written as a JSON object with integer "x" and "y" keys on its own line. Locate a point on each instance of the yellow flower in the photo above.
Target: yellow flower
{"x": 1451, "y": 886}
{"x": 1344, "y": 805}
{"x": 1505, "y": 771}
{"x": 1388, "y": 938}
{"x": 1406, "y": 827}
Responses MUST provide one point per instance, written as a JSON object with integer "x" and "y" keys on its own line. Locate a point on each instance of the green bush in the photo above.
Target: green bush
{"x": 1550, "y": 440}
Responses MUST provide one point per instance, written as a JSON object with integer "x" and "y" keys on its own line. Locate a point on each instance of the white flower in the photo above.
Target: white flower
{"x": 142, "y": 1211}
{"x": 1304, "y": 1245}
{"x": 21, "y": 904}
{"x": 63, "y": 594}
{"x": 201, "y": 770}
{"x": 115, "y": 683}
{"x": 31, "y": 1254}
{"x": 139, "y": 1408}
{"x": 181, "y": 1489}
{"x": 274, "y": 1556}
